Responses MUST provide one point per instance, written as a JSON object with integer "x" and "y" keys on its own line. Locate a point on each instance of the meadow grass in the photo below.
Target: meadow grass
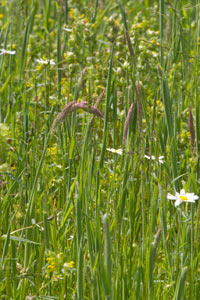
{"x": 99, "y": 121}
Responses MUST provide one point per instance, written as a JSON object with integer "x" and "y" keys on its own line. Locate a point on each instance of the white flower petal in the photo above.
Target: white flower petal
{"x": 182, "y": 193}
{"x": 171, "y": 197}
{"x": 161, "y": 161}
{"x": 117, "y": 151}
{"x": 3, "y": 51}
{"x": 190, "y": 200}
{"x": 152, "y": 157}
{"x": 178, "y": 202}
{"x": 52, "y": 62}
{"x": 45, "y": 62}
{"x": 146, "y": 156}
{"x": 192, "y": 196}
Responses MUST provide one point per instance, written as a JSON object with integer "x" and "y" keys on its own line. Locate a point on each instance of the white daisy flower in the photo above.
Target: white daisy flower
{"x": 152, "y": 157}
{"x": 117, "y": 151}
{"x": 3, "y": 51}
{"x": 45, "y": 62}
{"x": 182, "y": 197}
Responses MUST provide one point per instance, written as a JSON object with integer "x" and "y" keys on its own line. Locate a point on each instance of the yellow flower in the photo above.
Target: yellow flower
{"x": 3, "y": 3}
{"x": 144, "y": 121}
{"x": 13, "y": 167}
{"x": 1, "y": 16}
{"x": 52, "y": 267}
{"x": 85, "y": 20}
{"x": 71, "y": 13}
{"x": 188, "y": 134}
{"x": 117, "y": 22}
{"x": 52, "y": 150}
{"x": 140, "y": 25}
{"x": 53, "y": 33}
{"x": 69, "y": 264}
{"x": 50, "y": 259}
{"x": 64, "y": 80}
{"x": 64, "y": 91}
{"x": 158, "y": 102}
{"x": 39, "y": 67}
{"x": 13, "y": 46}
{"x": 28, "y": 84}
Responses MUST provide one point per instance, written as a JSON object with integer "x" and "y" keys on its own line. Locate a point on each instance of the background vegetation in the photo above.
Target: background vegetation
{"x": 78, "y": 219}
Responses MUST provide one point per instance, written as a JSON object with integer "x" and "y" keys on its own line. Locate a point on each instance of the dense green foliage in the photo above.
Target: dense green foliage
{"x": 78, "y": 219}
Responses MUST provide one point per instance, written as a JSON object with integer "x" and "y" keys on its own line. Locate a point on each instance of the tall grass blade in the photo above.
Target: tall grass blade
{"x": 24, "y": 46}
{"x": 107, "y": 253}
{"x": 80, "y": 272}
{"x": 108, "y": 94}
{"x": 180, "y": 286}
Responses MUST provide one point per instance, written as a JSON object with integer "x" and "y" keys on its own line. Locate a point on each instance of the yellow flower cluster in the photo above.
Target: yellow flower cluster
{"x": 51, "y": 264}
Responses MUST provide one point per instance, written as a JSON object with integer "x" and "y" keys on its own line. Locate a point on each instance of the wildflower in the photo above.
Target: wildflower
{"x": 117, "y": 151}
{"x": 13, "y": 167}
{"x": 3, "y": 51}
{"x": 69, "y": 264}
{"x": 84, "y": 21}
{"x": 51, "y": 267}
{"x": 64, "y": 92}
{"x": 45, "y": 62}
{"x": 38, "y": 68}
{"x": 51, "y": 264}
{"x": 71, "y": 11}
{"x": 140, "y": 25}
{"x": 67, "y": 29}
{"x": 182, "y": 197}
{"x": 152, "y": 157}
{"x": 28, "y": 84}
{"x": 64, "y": 79}
{"x": 52, "y": 151}
{"x": 150, "y": 32}
{"x": 1, "y": 16}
